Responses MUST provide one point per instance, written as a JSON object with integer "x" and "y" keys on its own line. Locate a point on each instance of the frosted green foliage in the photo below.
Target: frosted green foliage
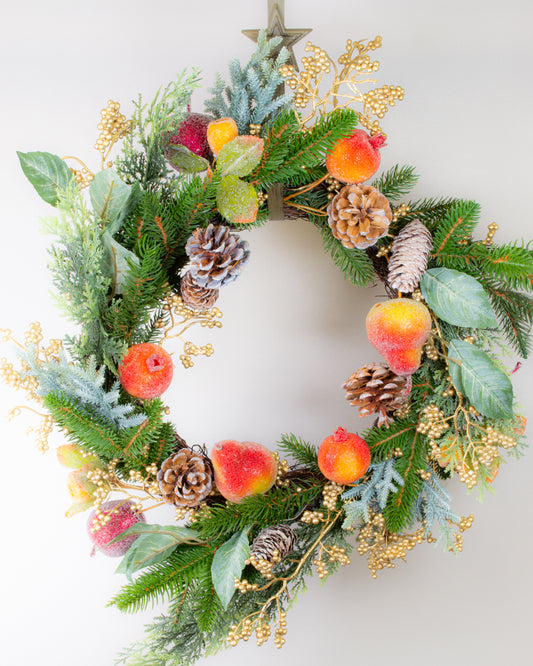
{"x": 85, "y": 387}
{"x": 373, "y": 493}
{"x": 433, "y": 504}
{"x": 240, "y": 156}
{"x": 236, "y": 200}
{"x": 142, "y": 157}
{"x": 252, "y": 96}
{"x": 48, "y": 173}
{"x": 77, "y": 260}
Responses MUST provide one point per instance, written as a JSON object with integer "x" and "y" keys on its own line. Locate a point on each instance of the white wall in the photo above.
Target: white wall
{"x": 465, "y": 124}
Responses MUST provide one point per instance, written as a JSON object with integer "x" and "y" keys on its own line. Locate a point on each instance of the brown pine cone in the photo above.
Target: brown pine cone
{"x": 216, "y": 255}
{"x": 359, "y": 215}
{"x": 196, "y": 297}
{"x": 375, "y": 389}
{"x": 186, "y": 478}
{"x": 280, "y": 539}
{"x": 409, "y": 258}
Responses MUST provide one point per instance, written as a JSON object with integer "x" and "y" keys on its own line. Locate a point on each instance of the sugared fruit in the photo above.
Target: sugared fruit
{"x": 115, "y": 518}
{"x": 242, "y": 469}
{"x": 146, "y": 371}
{"x": 398, "y": 329}
{"x": 355, "y": 158}
{"x": 192, "y": 133}
{"x": 219, "y": 132}
{"x": 343, "y": 457}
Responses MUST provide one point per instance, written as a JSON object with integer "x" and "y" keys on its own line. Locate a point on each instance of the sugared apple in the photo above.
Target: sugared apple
{"x": 146, "y": 370}
{"x": 343, "y": 457}
{"x": 242, "y": 469}
{"x": 398, "y": 329}
{"x": 118, "y": 516}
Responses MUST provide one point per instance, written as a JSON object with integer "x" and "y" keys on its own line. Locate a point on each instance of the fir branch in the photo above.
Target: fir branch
{"x": 84, "y": 386}
{"x": 434, "y": 504}
{"x": 165, "y": 579}
{"x": 304, "y": 453}
{"x": 251, "y": 97}
{"x": 396, "y": 182}
{"x": 511, "y": 264}
{"x": 381, "y": 480}
{"x": 280, "y": 504}
{"x": 454, "y": 228}
{"x": 354, "y": 264}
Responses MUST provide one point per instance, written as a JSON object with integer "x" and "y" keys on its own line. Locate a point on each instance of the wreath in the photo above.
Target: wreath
{"x": 143, "y": 248}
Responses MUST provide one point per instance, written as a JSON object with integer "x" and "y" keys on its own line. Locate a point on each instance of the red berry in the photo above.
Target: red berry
{"x": 146, "y": 371}
{"x": 121, "y": 517}
{"x": 192, "y": 133}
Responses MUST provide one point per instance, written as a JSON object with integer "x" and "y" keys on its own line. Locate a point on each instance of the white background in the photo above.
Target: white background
{"x": 293, "y": 329}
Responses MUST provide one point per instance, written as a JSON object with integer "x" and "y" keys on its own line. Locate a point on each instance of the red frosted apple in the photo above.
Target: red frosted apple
{"x": 355, "y": 158}
{"x": 242, "y": 469}
{"x": 398, "y": 329}
{"x": 192, "y": 133}
{"x": 121, "y": 516}
{"x": 146, "y": 370}
{"x": 343, "y": 457}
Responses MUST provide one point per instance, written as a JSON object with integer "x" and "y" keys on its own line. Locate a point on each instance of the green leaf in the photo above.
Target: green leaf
{"x": 228, "y": 564}
{"x": 109, "y": 197}
{"x": 240, "y": 156}
{"x": 47, "y": 173}
{"x": 457, "y": 298}
{"x": 475, "y": 375}
{"x": 184, "y": 160}
{"x": 153, "y": 545}
{"x": 236, "y": 200}
{"x": 118, "y": 261}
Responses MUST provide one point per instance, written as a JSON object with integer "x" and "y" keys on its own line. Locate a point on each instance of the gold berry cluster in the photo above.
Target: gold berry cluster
{"x": 113, "y": 127}
{"x": 433, "y": 423}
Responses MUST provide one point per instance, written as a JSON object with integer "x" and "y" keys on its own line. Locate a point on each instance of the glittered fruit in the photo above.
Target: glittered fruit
{"x": 146, "y": 371}
{"x": 115, "y": 517}
{"x": 220, "y": 132}
{"x": 192, "y": 133}
{"x": 343, "y": 457}
{"x": 242, "y": 469}
{"x": 398, "y": 329}
{"x": 356, "y": 158}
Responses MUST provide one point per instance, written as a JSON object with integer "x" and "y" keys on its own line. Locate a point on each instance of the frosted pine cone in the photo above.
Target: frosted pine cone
{"x": 409, "y": 258}
{"x": 359, "y": 215}
{"x": 186, "y": 478}
{"x": 280, "y": 539}
{"x": 375, "y": 389}
{"x": 194, "y": 296}
{"x": 216, "y": 255}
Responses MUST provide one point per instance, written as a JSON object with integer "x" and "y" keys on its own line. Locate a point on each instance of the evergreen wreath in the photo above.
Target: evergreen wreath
{"x": 143, "y": 257}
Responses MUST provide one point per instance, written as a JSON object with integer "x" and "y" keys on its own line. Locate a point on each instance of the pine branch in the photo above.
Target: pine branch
{"x": 304, "y": 453}
{"x": 396, "y": 182}
{"x": 280, "y": 504}
{"x": 354, "y": 264}
{"x": 511, "y": 264}
{"x": 454, "y": 228}
{"x": 434, "y": 504}
{"x": 166, "y": 579}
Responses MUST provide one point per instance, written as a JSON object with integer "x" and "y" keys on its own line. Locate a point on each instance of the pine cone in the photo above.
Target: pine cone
{"x": 409, "y": 258}
{"x": 217, "y": 256}
{"x": 186, "y": 478}
{"x": 359, "y": 215}
{"x": 375, "y": 389}
{"x": 196, "y": 297}
{"x": 280, "y": 539}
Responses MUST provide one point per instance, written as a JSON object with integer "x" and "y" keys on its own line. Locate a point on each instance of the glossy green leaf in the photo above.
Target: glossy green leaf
{"x": 236, "y": 200}
{"x": 109, "y": 198}
{"x": 240, "y": 156}
{"x": 476, "y": 376}
{"x": 457, "y": 298}
{"x": 118, "y": 261}
{"x": 228, "y": 563}
{"x": 154, "y": 544}
{"x": 48, "y": 173}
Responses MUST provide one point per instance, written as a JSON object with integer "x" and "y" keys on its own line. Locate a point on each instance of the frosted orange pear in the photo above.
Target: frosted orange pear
{"x": 243, "y": 469}
{"x": 398, "y": 329}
